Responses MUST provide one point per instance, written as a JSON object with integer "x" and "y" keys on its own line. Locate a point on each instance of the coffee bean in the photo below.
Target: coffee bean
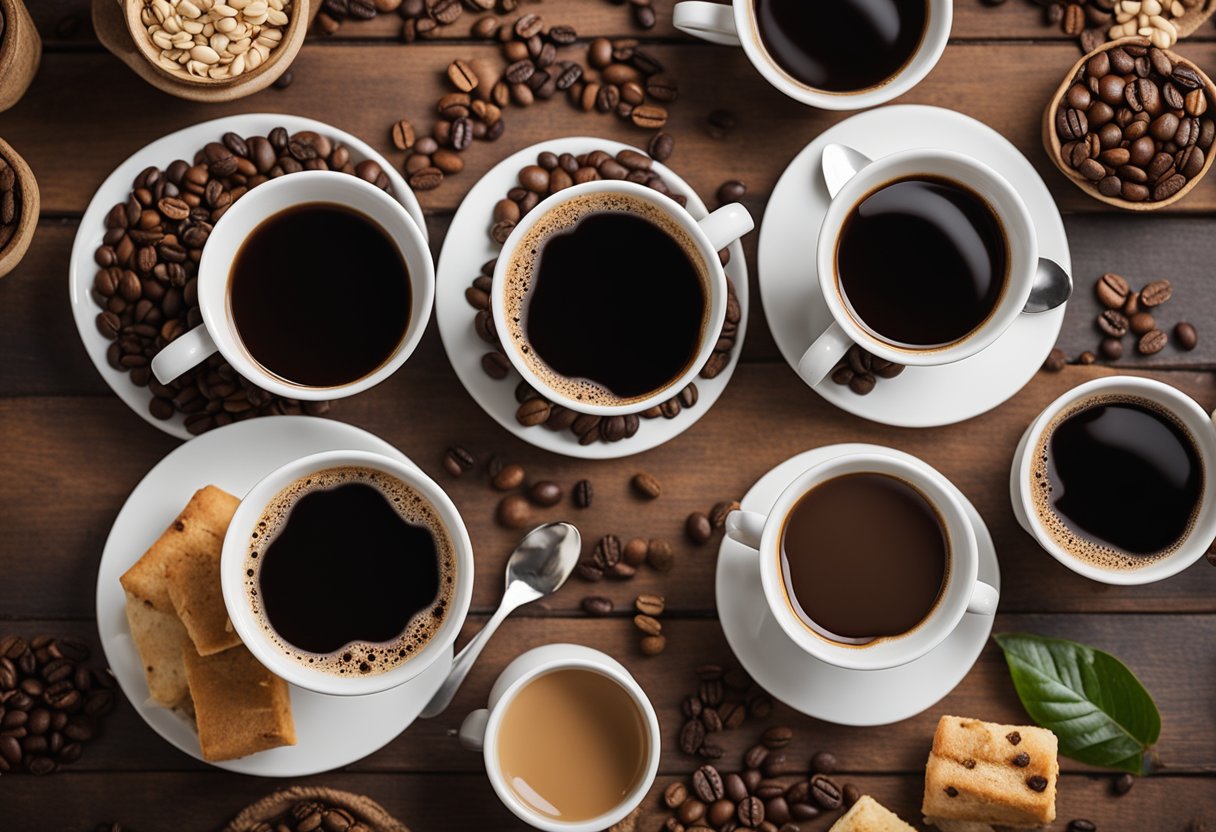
{"x": 1111, "y": 349}
{"x": 1082, "y": 825}
{"x": 660, "y": 555}
{"x": 826, "y": 793}
{"x": 707, "y": 784}
{"x": 1086, "y": 357}
{"x": 1156, "y": 293}
{"x": 692, "y": 736}
{"x": 1056, "y": 361}
{"x": 597, "y": 605}
{"x": 824, "y": 762}
{"x": 649, "y": 604}
{"x": 698, "y": 528}
{"x": 607, "y": 551}
{"x": 509, "y": 477}
{"x": 676, "y": 793}
{"x": 545, "y": 493}
{"x": 1112, "y": 290}
{"x": 731, "y": 191}
{"x": 1141, "y": 323}
{"x": 691, "y": 811}
{"x": 589, "y": 571}
{"x": 718, "y": 514}
{"x": 1185, "y": 336}
{"x": 646, "y": 485}
{"x": 649, "y": 117}
{"x": 851, "y": 794}
{"x": 1152, "y": 342}
{"x": 661, "y": 147}
{"x": 648, "y": 624}
{"x": 533, "y": 412}
{"x": 514, "y": 512}
{"x": 457, "y": 460}
{"x": 1113, "y": 323}
{"x": 712, "y": 720}
{"x": 583, "y": 494}
{"x": 776, "y": 737}
{"x": 1122, "y": 784}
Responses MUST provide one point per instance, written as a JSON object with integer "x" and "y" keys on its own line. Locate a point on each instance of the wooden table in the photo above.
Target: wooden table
{"x": 70, "y": 451}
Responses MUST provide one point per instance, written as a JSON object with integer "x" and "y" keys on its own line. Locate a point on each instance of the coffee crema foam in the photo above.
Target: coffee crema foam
{"x": 521, "y": 270}
{"x": 361, "y": 658}
{"x": 1073, "y": 542}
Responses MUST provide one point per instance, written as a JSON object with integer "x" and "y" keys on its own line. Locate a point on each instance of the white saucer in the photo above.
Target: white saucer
{"x": 845, "y": 697}
{"x": 793, "y": 304}
{"x": 468, "y": 246}
{"x": 182, "y": 145}
{"x": 331, "y": 731}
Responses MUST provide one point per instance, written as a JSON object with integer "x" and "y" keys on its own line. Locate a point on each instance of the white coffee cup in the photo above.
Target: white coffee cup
{"x": 709, "y": 235}
{"x": 1202, "y": 431}
{"x": 251, "y": 626}
{"x": 480, "y": 729}
{"x": 849, "y": 186}
{"x": 218, "y": 331}
{"x": 964, "y": 591}
{"x": 736, "y": 25}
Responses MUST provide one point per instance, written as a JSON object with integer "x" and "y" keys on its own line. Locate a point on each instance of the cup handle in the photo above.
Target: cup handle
{"x": 839, "y": 164}
{"x": 712, "y": 22}
{"x": 745, "y": 527}
{"x": 473, "y": 730}
{"x": 984, "y": 598}
{"x": 183, "y": 353}
{"x": 823, "y": 355}
{"x": 727, "y": 224}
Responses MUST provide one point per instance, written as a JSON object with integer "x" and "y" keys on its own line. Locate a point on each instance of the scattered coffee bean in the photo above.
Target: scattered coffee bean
{"x": 1056, "y": 361}
{"x": 1185, "y": 336}
{"x": 597, "y": 605}
{"x": 1156, "y": 293}
{"x": 721, "y": 123}
{"x": 1141, "y": 323}
{"x": 824, "y": 762}
{"x": 731, "y": 191}
{"x": 1086, "y": 358}
{"x": 698, "y": 528}
{"x": 582, "y": 494}
{"x": 1111, "y": 349}
{"x": 1081, "y": 825}
{"x": 457, "y": 460}
{"x": 777, "y": 737}
{"x": 1113, "y": 323}
{"x": 635, "y": 550}
{"x": 649, "y": 604}
{"x": 718, "y": 514}
{"x": 1122, "y": 783}
{"x": 660, "y": 555}
{"x": 509, "y": 477}
{"x": 653, "y": 645}
{"x": 646, "y": 485}
{"x": 1152, "y": 342}
{"x": 1112, "y": 290}
{"x": 545, "y": 493}
{"x": 514, "y": 511}
{"x": 851, "y": 794}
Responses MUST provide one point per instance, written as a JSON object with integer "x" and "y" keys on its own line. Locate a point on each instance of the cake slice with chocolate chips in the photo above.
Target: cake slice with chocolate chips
{"x": 983, "y": 772}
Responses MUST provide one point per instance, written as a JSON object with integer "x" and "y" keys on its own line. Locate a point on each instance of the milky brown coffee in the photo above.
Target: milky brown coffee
{"x": 573, "y": 744}
{"x": 350, "y": 571}
{"x": 607, "y": 299}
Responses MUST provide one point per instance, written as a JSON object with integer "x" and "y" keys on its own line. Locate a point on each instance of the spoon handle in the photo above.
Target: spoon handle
{"x": 464, "y": 660}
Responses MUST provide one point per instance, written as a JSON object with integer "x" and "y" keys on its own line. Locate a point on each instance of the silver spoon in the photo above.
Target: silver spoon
{"x": 539, "y": 566}
{"x": 1052, "y": 285}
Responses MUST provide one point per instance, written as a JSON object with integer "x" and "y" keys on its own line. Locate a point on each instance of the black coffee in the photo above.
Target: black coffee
{"x": 610, "y": 298}
{"x": 351, "y": 570}
{"x": 863, "y": 556}
{"x": 922, "y": 261}
{"x": 1118, "y": 481}
{"x": 844, "y": 45}
{"x": 320, "y": 295}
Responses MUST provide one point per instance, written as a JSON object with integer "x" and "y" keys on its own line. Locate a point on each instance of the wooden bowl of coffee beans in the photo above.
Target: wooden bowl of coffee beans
{"x": 218, "y": 49}
{"x": 19, "y": 203}
{"x": 1130, "y": 125}
{"x": 307, "y": 808}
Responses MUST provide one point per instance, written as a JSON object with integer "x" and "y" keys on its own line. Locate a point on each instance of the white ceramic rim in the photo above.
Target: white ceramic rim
{"x": 1202, "y": 431}
{"x": 278, "y": 195}
{"x": 945, "y": 616}
{"x": 490, "y": 744}
{"x": 709, "y": 334}
{"x": 926, "y": 56}
{"x": 1015, "y": 219}
{"x": 232, "y": 574}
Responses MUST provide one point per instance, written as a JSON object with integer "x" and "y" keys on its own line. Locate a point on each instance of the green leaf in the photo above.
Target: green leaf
{"x": 1097, "y": 708}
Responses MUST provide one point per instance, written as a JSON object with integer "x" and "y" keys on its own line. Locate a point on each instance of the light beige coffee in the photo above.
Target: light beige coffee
{"x": 572, "y": 745}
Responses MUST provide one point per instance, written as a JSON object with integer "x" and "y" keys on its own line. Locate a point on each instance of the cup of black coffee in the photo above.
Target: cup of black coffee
{"x": 609, "y": 296}
{"x": 313, "y": 286}
{"x": 1114, "y": 479}
{"x": 925, "y": 257}
{"x": 844, "y": 55}
{"x": 347, "y": 572}
{"x": 867, "y": 561}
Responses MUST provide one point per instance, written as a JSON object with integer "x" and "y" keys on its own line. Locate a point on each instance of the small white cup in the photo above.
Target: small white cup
{"x": 964, "y": 591}
{"x": 252, "y": 629}
{"x": 1202, "y": 431}
{"x": 715, "y": 232}
{"x": 1021, "y": 246}
{"x": 218, "y": 331}
{"x": 735, "y": 25}
{"x": 479, "y": 731}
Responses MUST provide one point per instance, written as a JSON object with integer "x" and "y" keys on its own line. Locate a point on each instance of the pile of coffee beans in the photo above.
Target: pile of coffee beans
{"x": 723, "y": 700}
{"x": 611, "y": 559}
{"x": 51, "y": 702}
{"x": 771, "y": 792}
{"x": 421, "y": 19}
{"x": 1134, "y": 124}
{"x": 516, "y": 510}
{"x": 649, "y": 607}
{"x": 859, "y": 370}
{"x": 10, "y": 198}
{"x": 309, "y": 815}
{"x": 146, "y": 283}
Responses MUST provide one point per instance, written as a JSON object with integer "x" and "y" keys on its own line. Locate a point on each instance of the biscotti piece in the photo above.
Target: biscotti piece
{"x": 194, "y": 544}
{"x": 161, "y": 641}
{"x": 240, "y": 706}
{"x": 868, "y": 815}
{"x": 987, "y": 773}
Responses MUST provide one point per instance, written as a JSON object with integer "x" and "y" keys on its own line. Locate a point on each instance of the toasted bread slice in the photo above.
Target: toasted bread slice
{"x": 240, "y": 706}
{"x": 192, "y": 568}
{"x": 868, "y": 815}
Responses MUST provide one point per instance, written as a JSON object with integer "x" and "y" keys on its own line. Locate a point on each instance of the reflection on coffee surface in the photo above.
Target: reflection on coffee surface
{"x": 320, "y": 295}
{"x": 922, "y": 261}
{"x": 572, "y": 744}
{"x": 844, "y": 45}
{"x": 1117, "y": 481}
{"x": 863, "y": 557}
{"x": 607, "y": 299}
{"x": 350, "y": 570}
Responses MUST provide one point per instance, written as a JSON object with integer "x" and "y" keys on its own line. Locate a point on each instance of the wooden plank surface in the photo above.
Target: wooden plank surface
{"x": 71, "y": 452}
